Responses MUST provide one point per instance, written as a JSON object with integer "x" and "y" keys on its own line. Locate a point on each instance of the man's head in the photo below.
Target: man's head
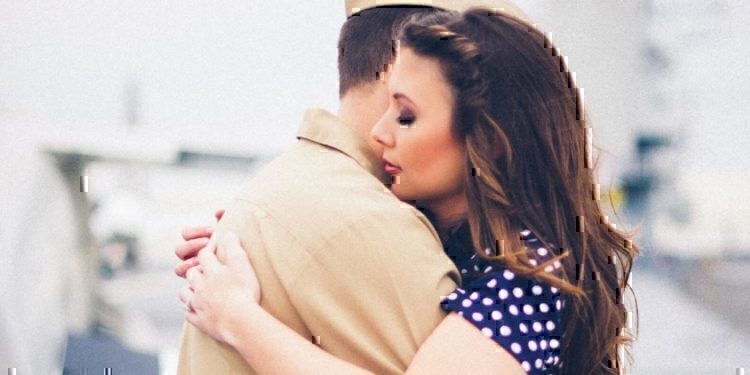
{"x": 366, "y": 50}
{"x": 366, "y": 44}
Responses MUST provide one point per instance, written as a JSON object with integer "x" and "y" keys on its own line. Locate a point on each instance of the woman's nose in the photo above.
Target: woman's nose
{"x": 381, "y": 133}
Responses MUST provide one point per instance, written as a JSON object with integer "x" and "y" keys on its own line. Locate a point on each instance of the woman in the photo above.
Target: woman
{"x": 485, "y": 132}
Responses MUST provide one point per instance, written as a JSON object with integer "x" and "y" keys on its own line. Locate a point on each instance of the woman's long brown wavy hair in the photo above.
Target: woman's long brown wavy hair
{"x": 520, "y": 116}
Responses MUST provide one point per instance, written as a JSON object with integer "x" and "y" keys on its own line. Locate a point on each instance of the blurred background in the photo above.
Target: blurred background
{"x": 122, "y": 122}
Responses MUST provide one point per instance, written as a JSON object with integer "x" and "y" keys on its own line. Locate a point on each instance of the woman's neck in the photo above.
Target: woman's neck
{"x": 448, "y": 215}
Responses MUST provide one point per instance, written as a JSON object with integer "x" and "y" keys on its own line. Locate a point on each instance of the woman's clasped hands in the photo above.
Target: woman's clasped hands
{"x": 219, "y": 293}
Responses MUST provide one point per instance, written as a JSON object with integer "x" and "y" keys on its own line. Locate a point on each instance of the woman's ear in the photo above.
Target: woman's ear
{"x": 499, "y": 146}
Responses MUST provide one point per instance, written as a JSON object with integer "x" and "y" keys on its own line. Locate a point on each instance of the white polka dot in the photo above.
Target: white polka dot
{"x": 528, "y": 310}
{"x": 537, "y": 327}
{"x": 513, "y": 309}
{"x": 477, "y": 317}
{"x": 550, "y": 326}
{"x": 505, "y": 331}
{"x": 518, "y": 292}
{"x": 503, "y": 294}
{"x": 525, "y": 232}
{"x": 476, "y": 268}
{"x": 557, "y": 359}
{"x": 487, "y": 332}
{"x": 474, "y": 296}
{"x": 508, "y": 275}
{"x": 466, "y": 303}
{"x": 543, "y": 307}
{"x": 492, "y": 283}
{"x": 487, "y": 301}
{"x": 487, "y": 251}
{"x": 558, "y": 305}
{"x": 452, "y": 296}
{"x": 543, "y": 344}
{"x": 548, "y": 269}
{"x": 463, "y": 270}
{"x": 526, "y": 366}
{"x": 488, "y": 269}
{"x": 554, "y": 290}
{"x": 541, "y": 251}
{"x": 554, "y": 343}
{"x": 532, "y": 345}
{"x": 549, "y": 360}
{"x": 557, "y": 264}
{"x": 533, "y": 262}
{"x": 496, "y": 315}
{"x": 523, "y": 328}
{"x": 538, "y": 363}
{"x": 515, "y": 347}
{"x": 537, "y": 290}
{"x": 461, "y": 313}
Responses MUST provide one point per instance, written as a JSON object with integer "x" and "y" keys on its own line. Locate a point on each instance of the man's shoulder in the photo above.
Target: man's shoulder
{"x": 315, "y": 192}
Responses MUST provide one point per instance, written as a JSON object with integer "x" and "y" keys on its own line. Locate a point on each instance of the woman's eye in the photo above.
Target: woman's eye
{"x": 405, "y": 119}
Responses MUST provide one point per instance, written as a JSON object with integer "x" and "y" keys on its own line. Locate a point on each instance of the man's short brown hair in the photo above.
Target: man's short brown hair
{"x": 366, "y": 43}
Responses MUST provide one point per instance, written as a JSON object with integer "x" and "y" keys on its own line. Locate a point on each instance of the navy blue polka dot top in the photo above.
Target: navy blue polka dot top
{"x": 521, "y": 314}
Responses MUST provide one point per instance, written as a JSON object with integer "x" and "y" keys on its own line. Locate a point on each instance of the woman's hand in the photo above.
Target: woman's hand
{"x": 220, "y": 295}
{"x": 194, "y": 239}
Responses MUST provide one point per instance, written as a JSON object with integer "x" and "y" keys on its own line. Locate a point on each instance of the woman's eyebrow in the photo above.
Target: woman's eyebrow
{"x": 399, "y": 95}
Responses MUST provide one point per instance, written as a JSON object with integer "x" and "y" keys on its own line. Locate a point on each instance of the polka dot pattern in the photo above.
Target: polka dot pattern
{"x": 521, "y": 314}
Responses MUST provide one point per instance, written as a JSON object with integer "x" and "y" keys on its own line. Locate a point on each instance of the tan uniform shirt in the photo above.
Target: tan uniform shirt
{"x": 339, "y": 258}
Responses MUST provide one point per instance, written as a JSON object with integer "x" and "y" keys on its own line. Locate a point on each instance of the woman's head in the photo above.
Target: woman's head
{"x": 507, "y": 130}
{"x": 420, "y": 149}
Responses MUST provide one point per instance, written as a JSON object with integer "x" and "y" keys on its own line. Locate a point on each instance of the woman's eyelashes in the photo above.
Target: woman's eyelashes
{"x": 405, "y": 119}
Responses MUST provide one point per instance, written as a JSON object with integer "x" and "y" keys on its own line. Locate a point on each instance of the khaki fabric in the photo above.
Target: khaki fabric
{"x": 339, "y": 258}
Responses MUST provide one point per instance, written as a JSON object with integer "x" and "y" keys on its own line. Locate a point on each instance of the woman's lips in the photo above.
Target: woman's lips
{"x": 392, "y": 169}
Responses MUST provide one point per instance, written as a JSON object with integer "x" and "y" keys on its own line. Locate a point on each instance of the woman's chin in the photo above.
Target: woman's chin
{"x": 402, "y": 194}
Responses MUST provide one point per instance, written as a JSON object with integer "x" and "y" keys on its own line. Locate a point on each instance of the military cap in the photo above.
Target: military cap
{"x": 503, "y": 6}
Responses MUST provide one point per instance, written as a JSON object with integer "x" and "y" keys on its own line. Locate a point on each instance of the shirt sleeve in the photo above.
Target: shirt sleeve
{"x": 520, "y": 314}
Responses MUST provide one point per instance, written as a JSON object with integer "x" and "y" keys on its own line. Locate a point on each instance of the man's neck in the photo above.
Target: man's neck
{"x": 357, "y": 109}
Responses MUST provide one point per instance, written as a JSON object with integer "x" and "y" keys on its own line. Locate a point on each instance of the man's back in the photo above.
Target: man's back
{"x": 340, "y": 260}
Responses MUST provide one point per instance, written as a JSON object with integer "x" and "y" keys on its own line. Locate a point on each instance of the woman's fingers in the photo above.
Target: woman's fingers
{"x": 195, "y": 278}
{"x": 219, "y": 214}
{"x": 186, "y": 294}
{"x": 233, "y": 249}
{"x": 207, "y": 258}
{"x": 185, "y": 265}
{"x": 193, "y": 232}
{"x": 238, "y": 262}
{"x": 190, "y": 248}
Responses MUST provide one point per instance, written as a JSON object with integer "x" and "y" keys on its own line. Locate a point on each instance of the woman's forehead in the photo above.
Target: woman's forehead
{"x": 419, "y": 78}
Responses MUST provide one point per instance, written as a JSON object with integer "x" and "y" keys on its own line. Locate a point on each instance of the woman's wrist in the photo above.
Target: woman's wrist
{"x": 240, "y": 320}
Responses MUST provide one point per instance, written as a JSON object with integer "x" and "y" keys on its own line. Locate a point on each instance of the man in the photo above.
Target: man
{"x": 339, "y": 258}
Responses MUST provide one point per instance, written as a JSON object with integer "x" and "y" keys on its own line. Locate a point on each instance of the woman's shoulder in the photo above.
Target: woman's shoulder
{"x": 521, "y": 313}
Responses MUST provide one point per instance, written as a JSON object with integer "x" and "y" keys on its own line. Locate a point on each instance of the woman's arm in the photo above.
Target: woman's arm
{"x": 271, "y": 347}
{"x": 458, "y": 347}
{"x": 455, "y": 347}
{"x": 223, "y": 303}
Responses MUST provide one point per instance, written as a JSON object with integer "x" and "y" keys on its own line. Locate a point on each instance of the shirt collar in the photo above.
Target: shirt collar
{"x": 322, "y": 127}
